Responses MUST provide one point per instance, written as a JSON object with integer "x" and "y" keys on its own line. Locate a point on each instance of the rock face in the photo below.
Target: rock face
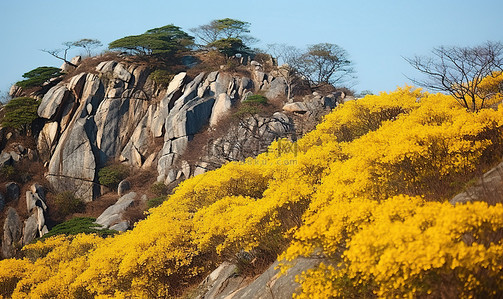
{"x": 112, "y": 217}
{"x": 224, "y": 282}
{"x": 488, "y": 188}
{"x": 12, "y": 191}
{"x": 92, "y": 119}
{"x": 12, "y": 233}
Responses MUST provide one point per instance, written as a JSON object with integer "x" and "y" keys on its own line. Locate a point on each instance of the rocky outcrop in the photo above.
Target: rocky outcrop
{"x": 226, "y": 282}
{"x": 112, "y": 217}
{"x": 12, "y": 233}
{"x": 488, "y": 188}
{"x": 12, "y": 191}
{"x": 112, "y": 115}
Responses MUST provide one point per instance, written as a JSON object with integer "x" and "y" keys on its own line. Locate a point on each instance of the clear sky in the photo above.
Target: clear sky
{"x": 376, "y": 34}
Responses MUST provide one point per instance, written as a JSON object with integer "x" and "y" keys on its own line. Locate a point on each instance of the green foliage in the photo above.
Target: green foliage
{"x": 84, "y": 225}
{"x": 112, "y": 175}
{"x": 161, "y": 77}
{"x": 165, "y": 40}
{"x": 87, "y": 44}
{"x": 256, "y": 99}
{"x": 154, "y": 202}
{"x": 254, "y": 104}
{"x": 66, "y": 203}
{"x": 20, "y": 113}
{"x": 230, "y": 46}
{"x": 39, "y": 76}
{"x": 223, "y": 29}
{"x": 325, "y": 64}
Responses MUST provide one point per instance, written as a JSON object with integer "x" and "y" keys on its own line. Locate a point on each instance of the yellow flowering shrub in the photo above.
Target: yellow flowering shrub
{"x": 363, "y": 191}
{"x": 412, "y": 248}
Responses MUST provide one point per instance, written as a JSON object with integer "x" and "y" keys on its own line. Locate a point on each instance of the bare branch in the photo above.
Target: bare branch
{"x": 459, "y": 71}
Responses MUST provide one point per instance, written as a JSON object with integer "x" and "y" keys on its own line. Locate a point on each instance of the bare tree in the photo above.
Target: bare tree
{"x": 459, "y": 71}
{"x": 62, "y": 53}
{"x": 288, "y": 57}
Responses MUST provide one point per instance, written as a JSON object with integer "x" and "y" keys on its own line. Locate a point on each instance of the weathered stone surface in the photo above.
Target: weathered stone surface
{"x": 15, "y": 156}
{"x": 106, "y": 66}
{"x": 179, "y": 145}
{"x": 30, "y": 230}
{"x": 5, "y": 159}
{"x": 11, "y": 233}
{"x": 52, "y": 101}
{"x": 123, "y": 187}
{"x": 47, "y": 139}
{"x": 298, "y": 107}
{"x": 93, "y": 93}
{"x": 40, "y": 217}
{"x": 76, "y": 60}
{"x": 138, "y": 145}
{"x": 12, "y": 191}
{"x": 39, "y": 190}
{"x": 221, "y": 281}
{"x": 73, "y": 165}
{"x": 201, "y": 168}
{"x": 164, "y": 165}
{"x": 121, "y": 226}
{"x": 15, "y": 91}
{"x": 66, "y": 67}
{"x": 113, "y": 214}
{"x": 225, "y": 283}
{"x": 221, "y": 85}
{"x": 77, "y": 83}
{"x": 190, "y": 119}
{"x": 488, "y": 188}
{"x": 122, "y": 73}
{"x": 177, "y": 83}
{"x": 278, "y": 88}
{"x": 107, "y": 123}
{"x": 245, "y": 85}
{"x": 222, "y": 105}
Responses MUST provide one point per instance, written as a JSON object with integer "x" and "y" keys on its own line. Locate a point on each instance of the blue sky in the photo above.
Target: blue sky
{"x": 376, "y": 34}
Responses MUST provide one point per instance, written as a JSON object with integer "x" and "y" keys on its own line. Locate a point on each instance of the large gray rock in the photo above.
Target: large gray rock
{"x": 73, "y": 165}
{"x": 278, "y": 88}
{"x": 138, "y": 145}
{"x": 39, "y": 190}
{"x": 121, "y": 72}
{"x": 488, "y": 188}
{"x": 30, "y": 229}
{"x": 33, "y": 200}
{"x": 298, "y": 107}
{"x": 52, "y": 101}
{"x": 47, "y": 139}
{"x": 121, "y": 226}
{"x": 107, "y": 120}
{"x": 222, "y": 106}
{"x": 113, "y": 214}
{"x": 224, "y": 282}
{"x": 76, "y": 85}
{"x": 189, "y": 119}
{"x": 124, "y": 186}
{"x": 5, "y": 159}
{"x": 12, "y": 191}
{"x": 106, "y": 66}
{"x": 11, "y": 233}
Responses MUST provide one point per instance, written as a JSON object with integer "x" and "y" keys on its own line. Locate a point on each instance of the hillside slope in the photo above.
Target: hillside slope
{"x": 366, "y": 192}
